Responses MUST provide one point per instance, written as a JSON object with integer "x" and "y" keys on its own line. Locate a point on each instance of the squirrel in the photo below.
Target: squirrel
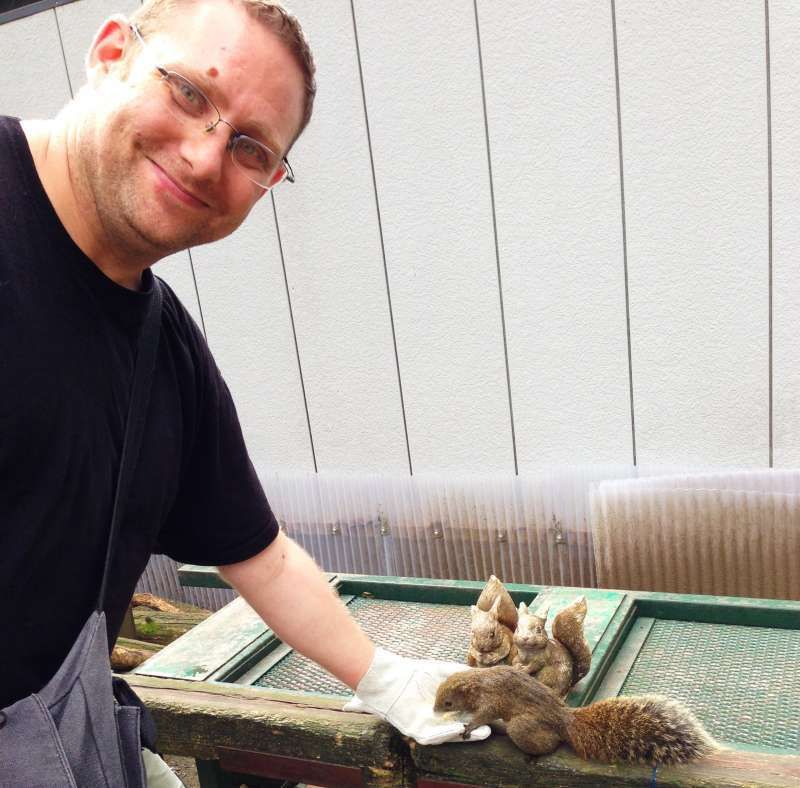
{"x": 494, "y": 619}
{"x": 647, "y": 729}
{"x": 561, "y": 661}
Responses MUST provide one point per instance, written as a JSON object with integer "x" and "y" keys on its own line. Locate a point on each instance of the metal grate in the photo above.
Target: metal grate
{"x": 411, "y": 629}
{"x": 741, "y": 682}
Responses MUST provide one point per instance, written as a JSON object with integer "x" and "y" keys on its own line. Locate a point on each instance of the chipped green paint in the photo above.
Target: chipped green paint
{"x": 196, "y": 576}
{"x": 210, "y": 645}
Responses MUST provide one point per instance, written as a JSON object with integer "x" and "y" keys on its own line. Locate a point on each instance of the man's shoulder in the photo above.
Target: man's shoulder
{"x": 185, "y": 336}
{"x": 177, "y": 318}
{"x": 13, "y": 146}
{"x": 13, "y": 142}
{"x": 10, "y": 125}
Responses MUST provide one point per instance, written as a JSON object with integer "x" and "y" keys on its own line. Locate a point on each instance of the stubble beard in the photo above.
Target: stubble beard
{"x": 134, "y": 229}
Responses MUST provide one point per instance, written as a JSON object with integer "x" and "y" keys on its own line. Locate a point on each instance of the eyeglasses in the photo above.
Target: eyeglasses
{"x": 188, "y": 104}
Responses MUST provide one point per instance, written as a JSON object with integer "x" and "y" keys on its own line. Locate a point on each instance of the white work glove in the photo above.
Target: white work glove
{"x": 402, "y": 691}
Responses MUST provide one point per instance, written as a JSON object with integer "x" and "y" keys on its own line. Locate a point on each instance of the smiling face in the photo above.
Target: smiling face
{"x": 159, "y": 185}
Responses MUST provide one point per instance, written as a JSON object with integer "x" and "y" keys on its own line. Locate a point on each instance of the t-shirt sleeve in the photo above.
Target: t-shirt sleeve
{"x": 221, "y": 514}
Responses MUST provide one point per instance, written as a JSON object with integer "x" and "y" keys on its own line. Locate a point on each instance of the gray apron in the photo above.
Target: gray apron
{"x": 73, "y": 733}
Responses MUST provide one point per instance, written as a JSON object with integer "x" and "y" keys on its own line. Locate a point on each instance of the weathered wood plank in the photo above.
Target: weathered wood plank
{"x": 143, "y": 645}
{"x": 158, "y": 626}
{"x": 129, "y": 653}
{"x": 498, "y": 762}
{"x": 201, "y": 719}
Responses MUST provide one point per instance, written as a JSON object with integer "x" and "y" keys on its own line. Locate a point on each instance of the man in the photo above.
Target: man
{"x": 185, "y": 122}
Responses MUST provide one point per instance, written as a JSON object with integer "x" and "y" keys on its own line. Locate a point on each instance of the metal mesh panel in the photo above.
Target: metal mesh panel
{"x": 411, "y": 629}
{"x": 741, "y": 682}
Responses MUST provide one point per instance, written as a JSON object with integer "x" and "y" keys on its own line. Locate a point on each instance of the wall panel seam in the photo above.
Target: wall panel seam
{"x": 769, "y": 231}
{"x": 294, "y": 331}
{"x": 197, "y": 295}
{"x": 63, "y": 54}
{"x": 496, "y": 244}
{"x": 624, "y": 228}
{"x": 380, "y": 235}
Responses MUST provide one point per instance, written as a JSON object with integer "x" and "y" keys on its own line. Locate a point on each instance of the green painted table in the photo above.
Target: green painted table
{"x": 252, "y": 710}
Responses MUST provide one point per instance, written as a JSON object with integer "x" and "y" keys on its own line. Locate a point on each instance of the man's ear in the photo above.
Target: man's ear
{"x": 275, "y": 178}
{"x": 108, "y": 48}
{"x": 279, "y": 173}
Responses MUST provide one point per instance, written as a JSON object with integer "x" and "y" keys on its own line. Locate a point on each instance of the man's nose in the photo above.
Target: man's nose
{"x": 206, "y": 152}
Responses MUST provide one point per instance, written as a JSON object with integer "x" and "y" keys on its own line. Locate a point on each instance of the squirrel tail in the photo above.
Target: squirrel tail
{"x": 568, "y": 630}
{"x": 649, "y": 729}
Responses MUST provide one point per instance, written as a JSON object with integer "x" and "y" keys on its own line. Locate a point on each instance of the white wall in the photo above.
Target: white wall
{"x": 452, "y": 316}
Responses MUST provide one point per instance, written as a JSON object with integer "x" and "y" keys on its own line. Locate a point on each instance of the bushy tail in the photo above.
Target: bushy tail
{"x": 647, "y": 729}
{"x": 568, "y": 630}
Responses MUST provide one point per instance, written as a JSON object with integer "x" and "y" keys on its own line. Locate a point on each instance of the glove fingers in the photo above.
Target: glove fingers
{"x": 356, "y": 704}
{"x": 453, "y": 733}
{"x": 441, "y": 734}
{"x": 480, "y": 733}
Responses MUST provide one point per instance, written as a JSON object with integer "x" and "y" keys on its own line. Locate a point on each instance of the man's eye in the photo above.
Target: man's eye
{"x": 187, "y": 96}
{"x": 248, "y": 148}
{"x": 189, "y": 93}
{"x": 251, "y": 154}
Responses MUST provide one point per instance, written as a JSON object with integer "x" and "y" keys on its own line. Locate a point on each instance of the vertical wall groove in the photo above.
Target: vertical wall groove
{"x": 496, "y": 244}
{"x": 380, "y": 235}
{"x": 769, "y": 225}
{"x": 63, "y": 53}
{"x": 624, "y": 227}
{"x": 197, "y": 295}
{"x": 294, "y": 330}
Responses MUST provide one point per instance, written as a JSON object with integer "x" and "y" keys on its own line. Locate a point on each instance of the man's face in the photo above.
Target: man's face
{"x": 160, "y": 184}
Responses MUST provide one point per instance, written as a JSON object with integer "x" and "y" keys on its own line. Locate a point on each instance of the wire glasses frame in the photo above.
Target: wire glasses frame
{"x": 255, "y": 160}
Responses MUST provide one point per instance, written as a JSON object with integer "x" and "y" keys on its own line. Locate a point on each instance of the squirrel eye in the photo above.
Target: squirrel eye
{"x": 448, "y": 703}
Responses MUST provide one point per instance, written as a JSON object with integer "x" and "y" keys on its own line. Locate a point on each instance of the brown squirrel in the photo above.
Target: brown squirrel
{"x": 647, "y": 729}
{"x": 492, "y": 627}
{"x": 561, "y": 661}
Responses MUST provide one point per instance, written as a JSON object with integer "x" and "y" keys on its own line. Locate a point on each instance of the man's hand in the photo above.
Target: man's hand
{"x": 401, "y": 691}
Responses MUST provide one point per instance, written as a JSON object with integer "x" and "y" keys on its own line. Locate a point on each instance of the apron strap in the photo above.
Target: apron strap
{"x": 134, "y": 425}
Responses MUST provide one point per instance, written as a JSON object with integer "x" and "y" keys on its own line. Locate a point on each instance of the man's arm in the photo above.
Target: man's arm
{"x": 289, "y": 591}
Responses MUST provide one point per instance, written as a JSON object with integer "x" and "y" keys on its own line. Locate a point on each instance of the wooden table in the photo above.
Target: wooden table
{"x": 250, "y": 709}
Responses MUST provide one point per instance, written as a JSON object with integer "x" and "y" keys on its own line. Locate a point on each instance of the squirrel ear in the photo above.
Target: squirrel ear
{"x": 542, "y": 612}
{"x": 495, "y": 608}
{"x": 523, "y": 609}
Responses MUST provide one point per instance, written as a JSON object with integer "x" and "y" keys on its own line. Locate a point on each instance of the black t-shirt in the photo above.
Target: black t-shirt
{"x": 68, "y": 338}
